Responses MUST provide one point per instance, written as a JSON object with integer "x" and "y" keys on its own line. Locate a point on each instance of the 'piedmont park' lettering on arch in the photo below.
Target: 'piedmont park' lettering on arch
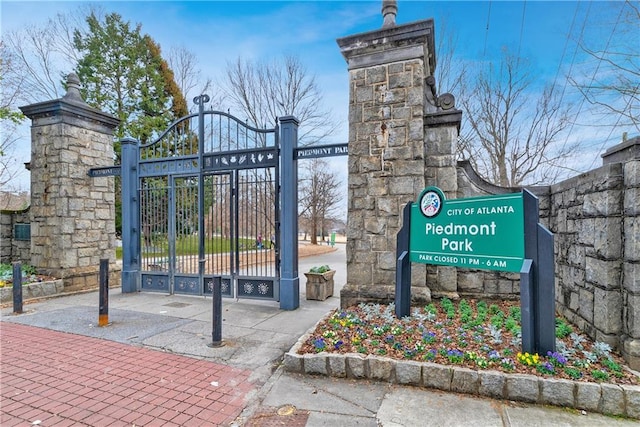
{"x": 476, "y": 232}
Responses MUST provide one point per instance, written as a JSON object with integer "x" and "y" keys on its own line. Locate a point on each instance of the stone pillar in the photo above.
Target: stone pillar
{"x": 387, "y": 71}
{"x": 72, "y": 215}
{"x": 441, "y": 131}
{"x": 629, "y": 153}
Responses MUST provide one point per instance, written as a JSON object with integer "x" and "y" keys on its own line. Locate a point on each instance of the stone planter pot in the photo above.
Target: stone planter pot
{"x": 320, "y": 285}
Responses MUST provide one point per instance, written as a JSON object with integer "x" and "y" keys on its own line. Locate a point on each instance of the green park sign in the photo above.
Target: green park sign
{"x": 476, "y": 232}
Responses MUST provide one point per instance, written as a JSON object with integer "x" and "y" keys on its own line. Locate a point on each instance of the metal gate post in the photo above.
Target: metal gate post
{"x": 130, "y": 217}
{"x": 200, "y": 101}
{"x": 289, "y": 280}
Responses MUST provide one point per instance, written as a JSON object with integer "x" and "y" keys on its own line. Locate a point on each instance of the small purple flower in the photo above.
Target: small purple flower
{"x": 493, "y": 355}
{"x": 319, "y": 344}
{"x": 429, "y": 337}
{"x": 557, "y": 358}
{"x": 430, "y": 355}
{"x": 338, "y": 344}
{"x": 389, "y": 339}
{"x": 454, "y": 353}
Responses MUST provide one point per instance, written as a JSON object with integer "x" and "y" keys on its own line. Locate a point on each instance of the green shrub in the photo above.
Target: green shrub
{"x": 319, "y": 269}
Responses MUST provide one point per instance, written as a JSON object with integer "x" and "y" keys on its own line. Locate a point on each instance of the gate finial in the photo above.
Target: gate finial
{"x": 201, "y": 99}
{"x": 389, "y": 12}
{"x": 73, "y": 88}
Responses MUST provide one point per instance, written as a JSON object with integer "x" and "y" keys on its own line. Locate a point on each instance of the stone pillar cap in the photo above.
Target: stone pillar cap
{"x": 73, "y": 88}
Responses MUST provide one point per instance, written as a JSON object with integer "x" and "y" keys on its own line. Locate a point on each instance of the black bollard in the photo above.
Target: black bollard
{"x": 103, "y": 315}
{"x": 17, "y": 287}
{"x": 216, "y": 293}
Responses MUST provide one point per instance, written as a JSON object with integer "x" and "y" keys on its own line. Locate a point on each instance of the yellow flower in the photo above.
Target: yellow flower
{"x": 528, "y": 359}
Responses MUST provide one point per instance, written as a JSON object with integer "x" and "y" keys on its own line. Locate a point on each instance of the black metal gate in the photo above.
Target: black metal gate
{"x": 208, "y": 207}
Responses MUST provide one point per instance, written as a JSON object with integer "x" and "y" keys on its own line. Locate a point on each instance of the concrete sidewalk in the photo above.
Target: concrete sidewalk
{"x": 256, "y": 334}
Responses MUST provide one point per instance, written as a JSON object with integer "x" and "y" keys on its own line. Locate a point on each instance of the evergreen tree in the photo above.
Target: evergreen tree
{"x": 123, "y": 73}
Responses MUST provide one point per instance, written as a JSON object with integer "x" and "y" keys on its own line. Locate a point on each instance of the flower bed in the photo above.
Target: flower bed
{"x": 29, "y": 275}
{"x": 469, "y": 334}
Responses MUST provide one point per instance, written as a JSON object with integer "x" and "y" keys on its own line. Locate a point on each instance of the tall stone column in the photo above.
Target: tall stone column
{"x": 387, "y": 93}
{"x": 72, "y": 214}
{"x": 441, "y": 130}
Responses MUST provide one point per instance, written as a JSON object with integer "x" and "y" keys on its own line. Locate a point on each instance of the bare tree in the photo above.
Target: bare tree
{"x": 450, "y": 70}
{"x": 44, "y": 55}
{"x": 613, "y": 85}
{"x": 33, "y": 63}
{"x": 10, "y": 118}
{"x": 318, "y": 196}
{"x": 265, "y": 91}
{"x": 188, "y": 75}
{"x": 514, "y": 132}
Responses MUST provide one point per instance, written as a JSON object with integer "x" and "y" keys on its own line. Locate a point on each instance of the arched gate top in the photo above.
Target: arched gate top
{"x": 222, "y": 132}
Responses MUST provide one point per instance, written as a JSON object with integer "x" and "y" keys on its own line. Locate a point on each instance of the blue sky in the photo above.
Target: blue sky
{"x": 219, "y": 32}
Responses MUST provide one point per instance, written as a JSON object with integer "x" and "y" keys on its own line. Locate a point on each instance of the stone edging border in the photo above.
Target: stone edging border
{"x": 33, "y": 290}
{"x": 609, "y": 399}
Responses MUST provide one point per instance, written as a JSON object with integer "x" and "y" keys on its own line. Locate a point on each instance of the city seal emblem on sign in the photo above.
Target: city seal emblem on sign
{"x": 430, "y": 202}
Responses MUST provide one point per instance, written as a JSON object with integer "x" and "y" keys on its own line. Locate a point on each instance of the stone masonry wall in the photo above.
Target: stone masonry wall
{"x": 485, "y": 283}
{"x": 586, "y": 218}
{"x": 631, "y": 263}
{"x": 596, "y": 226}
{"x": 12, "y": 250}
{"x": 595, "y": 217}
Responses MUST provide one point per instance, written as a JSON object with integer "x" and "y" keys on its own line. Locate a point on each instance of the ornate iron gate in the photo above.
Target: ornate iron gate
{"x": 207, "y": 206}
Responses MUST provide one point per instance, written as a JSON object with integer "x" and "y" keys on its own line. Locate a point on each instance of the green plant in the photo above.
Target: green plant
{"x": 448, "y": 307}
{"x": 319, "y": 269}
{"x": 497, "y": 320}
{"x": 573, "y": 373}
{"x": 562, "y": 328}
{"x": 494, "y": 309}
{"x": 431, "y": 309}
{"x": 510, "y": 324}
{"x": 29, "y": 273}
{"x": 599, "y": 375}
{"x": 464, "y": 309}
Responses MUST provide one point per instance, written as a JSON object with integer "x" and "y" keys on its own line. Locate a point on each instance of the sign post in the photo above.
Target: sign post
{"x": 498, "y": 232}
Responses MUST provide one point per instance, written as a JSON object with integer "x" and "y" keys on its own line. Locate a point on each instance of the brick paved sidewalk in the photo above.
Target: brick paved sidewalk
{"x": 62, "y": 379}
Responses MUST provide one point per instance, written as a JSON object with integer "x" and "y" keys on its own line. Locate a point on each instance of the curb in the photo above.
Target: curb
{"x": 33, "y": 290}
{"x": 604, "y": 398}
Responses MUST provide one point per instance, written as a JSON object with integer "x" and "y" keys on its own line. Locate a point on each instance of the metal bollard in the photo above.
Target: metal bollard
{"x": 17, "y": 287}
{"x": 103, "y": 315}
{"x": 216, "y": 293}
